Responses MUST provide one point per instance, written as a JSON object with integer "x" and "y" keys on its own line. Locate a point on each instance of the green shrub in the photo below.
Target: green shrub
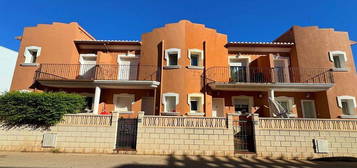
{"x": 35, "y": 109}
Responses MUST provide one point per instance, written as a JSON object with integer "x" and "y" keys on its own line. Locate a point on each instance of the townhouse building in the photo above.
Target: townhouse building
{"x": 188, "y": 69}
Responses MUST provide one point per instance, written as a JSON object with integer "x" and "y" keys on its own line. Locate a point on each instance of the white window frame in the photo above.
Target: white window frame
{"x": 83, "y": 69}
{"x": 250, "y": 101}
{"x": 126, "y": 95}
{"x": 130, "y": 57}
{"x": 343, "y": 61}
{"x": 196, "y": 51}
{"x": 200, "y": 105}
{"x": 172, "y": 50}
{"x": 28, "y": 55}
{"x": 302, "y": 107}
{"x": 240, "y": 57}
{"x": 290, "y": 101}
{"x": 81, "y": 61}
{"x": 176, "y": 95}
{"x": 339, "y": 104}
{"x": 286, "y": 70}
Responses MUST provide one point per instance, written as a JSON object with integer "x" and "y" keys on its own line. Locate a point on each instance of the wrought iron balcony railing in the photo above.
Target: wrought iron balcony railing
{"x": 243, "y": 74}
{"x": 96, "y": 72}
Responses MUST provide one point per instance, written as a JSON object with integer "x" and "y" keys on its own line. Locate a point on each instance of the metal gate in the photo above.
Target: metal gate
{"x": 243, "y": 135}
{"x": 126, "y": 136}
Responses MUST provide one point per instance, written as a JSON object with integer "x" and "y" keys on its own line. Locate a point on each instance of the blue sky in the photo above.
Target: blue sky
{"x": 241, "y": 20}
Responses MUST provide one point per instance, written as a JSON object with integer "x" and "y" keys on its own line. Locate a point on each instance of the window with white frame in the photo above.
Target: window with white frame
{"x": 123, "y": 102}
{"x": 195, "y": 56}
{"x": 286, "y": 102}
{"x": 195, "y": 101}
{"x": 338, "y": 58}
{"x": 31, "y": 54}
{"x": 170, "y": 102}
{"x": 172, "y": 56}
{"x": 242, "y": 104}
{"x": 347, "y": 104}
{"x": 88, "y": 62}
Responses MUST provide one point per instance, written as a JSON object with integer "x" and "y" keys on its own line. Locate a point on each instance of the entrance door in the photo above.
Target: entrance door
{"x": 147, "y": 105}
{"x": 281, "y": 71}
{"x": 128, "y": 69}
{"x": 308, "y": 108}
{"x": 217, "y": 107}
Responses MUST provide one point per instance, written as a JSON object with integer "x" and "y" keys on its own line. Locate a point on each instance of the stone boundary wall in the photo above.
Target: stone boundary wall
{"x": 185, "y": 140}
{"x": 71, "y": 137}
{"x": 277, "y": 139}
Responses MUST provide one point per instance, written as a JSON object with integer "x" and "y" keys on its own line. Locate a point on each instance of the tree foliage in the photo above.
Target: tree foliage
{"x": 37, "y": 109}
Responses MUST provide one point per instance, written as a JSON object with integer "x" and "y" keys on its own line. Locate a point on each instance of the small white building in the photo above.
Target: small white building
{"x": 7, "y": 66}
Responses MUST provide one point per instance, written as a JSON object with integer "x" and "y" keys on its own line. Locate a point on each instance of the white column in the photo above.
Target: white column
{"x": 271, "y": 95}
{"x": 96, "y": 99}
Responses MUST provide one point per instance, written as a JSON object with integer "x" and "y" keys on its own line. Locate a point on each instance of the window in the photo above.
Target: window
{"x": 170, "y": 102}
{"x": 337, "y": 62}
{"x": 242, "y": 104}
{"x": 31, "y": 54}
{"x": 194, "y": 105}
{"x": 123, "y": 102}
{"x": 239, "y": 69}
{"x": 339, "y": 59}
{"x": 347, "y": 104}
{"x": 286, "y": 102}
{"x": 285, "y": 105}
{"x": 194, "y": 60}
{"x": 173, "y": 59}
{"x": 88, "y": 62}
{"x": 196, "y": 57}
{"x": 195, "y": 101}
{"x": 172, "y": 56}
{"x": 308, "y": 108}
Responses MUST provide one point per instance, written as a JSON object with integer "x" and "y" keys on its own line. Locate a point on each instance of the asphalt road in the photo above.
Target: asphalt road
{"x": 66, "y": 160}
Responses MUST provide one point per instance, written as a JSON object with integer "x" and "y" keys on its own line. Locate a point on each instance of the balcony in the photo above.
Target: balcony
{"x": 259, "y": 77}
{"x": 91, "y": 74}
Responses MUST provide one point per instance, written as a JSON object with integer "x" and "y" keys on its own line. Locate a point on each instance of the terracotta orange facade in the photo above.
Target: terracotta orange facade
{"x": 188, "y": 69}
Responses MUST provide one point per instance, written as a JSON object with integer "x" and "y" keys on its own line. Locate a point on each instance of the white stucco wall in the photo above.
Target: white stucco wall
{"x": 7, "y": 66}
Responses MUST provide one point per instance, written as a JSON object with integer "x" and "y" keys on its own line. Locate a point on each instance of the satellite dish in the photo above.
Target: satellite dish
{"x": 278, "y": 109}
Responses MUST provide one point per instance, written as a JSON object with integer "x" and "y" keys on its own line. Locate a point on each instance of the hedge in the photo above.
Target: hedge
{"x": 36, "y": 109}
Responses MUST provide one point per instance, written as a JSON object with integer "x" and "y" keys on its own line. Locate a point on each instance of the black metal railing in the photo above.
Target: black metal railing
{"x": 96, "y": 72}
{"x": 243, "y": 74}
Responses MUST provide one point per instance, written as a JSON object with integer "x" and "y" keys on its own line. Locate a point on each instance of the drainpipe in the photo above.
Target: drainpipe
{"x": 204, "y": 78}
{"x": 161, "y": 72}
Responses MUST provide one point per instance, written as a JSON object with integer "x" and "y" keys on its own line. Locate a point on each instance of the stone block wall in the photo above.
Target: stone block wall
{"x": 184, "y": 140}
{"x": 299, "y": 143}
{"x": 293, "y": 138}
{"x": 70, "y": 138}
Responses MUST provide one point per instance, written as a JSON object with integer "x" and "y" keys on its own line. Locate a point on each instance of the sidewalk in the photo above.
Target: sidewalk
{"x": 66, "y": 160}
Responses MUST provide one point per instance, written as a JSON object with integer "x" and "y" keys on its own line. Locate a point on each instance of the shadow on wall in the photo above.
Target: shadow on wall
{"x": 229, "y": 162}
